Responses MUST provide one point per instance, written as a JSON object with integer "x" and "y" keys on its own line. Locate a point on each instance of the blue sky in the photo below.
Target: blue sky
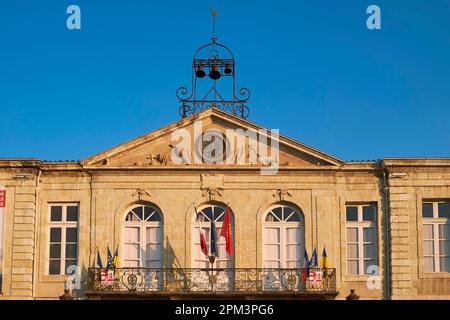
{"x": 314, "y": 69}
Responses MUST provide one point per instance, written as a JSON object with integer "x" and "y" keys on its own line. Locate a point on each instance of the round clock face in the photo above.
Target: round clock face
{"x": 211, "y": 147}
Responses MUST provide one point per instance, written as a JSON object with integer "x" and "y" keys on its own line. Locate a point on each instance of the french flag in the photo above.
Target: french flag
{"x": 203, "y": 246}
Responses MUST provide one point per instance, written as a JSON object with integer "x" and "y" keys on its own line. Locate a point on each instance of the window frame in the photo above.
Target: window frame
{"x": 434, "y": 222}
{"x": 282, "y": 225}
{"x": 360, "y": 225}
{"x": 142, "y": 224}
{"x": 63, "y": 225}
{"x": 205, "y": 225}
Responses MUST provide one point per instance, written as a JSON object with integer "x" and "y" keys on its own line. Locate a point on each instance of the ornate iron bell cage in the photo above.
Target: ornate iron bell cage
{"x": 213, "y": 62}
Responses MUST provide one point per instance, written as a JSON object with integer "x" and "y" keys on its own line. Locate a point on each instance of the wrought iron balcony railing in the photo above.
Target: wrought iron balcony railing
{"x": 181, "y": 280}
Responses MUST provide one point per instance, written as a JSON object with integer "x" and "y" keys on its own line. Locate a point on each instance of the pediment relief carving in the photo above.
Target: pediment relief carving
{"x": 247, "y": 145}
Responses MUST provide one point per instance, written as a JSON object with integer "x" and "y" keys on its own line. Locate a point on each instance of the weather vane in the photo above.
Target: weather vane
{"x": 219, "y": 90}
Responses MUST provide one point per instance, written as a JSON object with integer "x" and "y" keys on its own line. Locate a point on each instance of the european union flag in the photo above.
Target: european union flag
{"x": 110, "y": 264}
{"x": 313, "y": 262}
{"x": 213, "y": 239}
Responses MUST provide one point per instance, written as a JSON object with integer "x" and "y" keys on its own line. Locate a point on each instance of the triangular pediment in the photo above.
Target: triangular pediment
{"x": 247, "y": 143}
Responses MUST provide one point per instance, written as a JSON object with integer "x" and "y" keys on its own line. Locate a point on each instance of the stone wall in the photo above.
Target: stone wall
{"x": 321, "y": 193}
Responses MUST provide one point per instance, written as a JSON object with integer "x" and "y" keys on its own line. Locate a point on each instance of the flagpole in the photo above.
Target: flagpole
{"x": 212, "y": 257}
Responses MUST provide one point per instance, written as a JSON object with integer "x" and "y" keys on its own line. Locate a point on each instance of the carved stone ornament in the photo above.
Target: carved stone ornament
{"x": 212, "y": 192}
{"x": 211, "y": 185}
{"x": 141, "y": 194}
{"x": 154, "y": 159}
{"x": 282, "y": 193}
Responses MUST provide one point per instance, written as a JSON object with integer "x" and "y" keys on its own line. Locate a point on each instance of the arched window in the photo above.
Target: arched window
{"x": 283, "y": 237}
{"x": 143, "y": 237}
{"x": 205, "y": 216}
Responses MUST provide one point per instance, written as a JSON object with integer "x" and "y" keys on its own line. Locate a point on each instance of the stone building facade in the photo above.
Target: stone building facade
{"x": 391, "y": 215}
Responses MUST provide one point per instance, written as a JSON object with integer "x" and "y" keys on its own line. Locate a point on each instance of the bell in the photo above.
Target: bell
{"x": 214, "y": 73}
{"x": 200, "y": 73}
{"x": 228, "y": 69}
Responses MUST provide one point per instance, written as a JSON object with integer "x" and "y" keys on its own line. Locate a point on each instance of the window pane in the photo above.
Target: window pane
{"x": 270, "y": 217}
{"x": 71, "y": 251}
{"x": 69, "y": 263}
{"x": 369, "y": 234}
{"x": 444, "y": 248}
{"x": 155, "y": 217}
{"x": 207, "y": 212}
{"x": 352, "y": 251}
{"x": 153, "y": 264}
{"x": 293, "y": 235}
{"x": 272, "y": 235}
{"x": 352, "y": 234}
{"x": 272, "y": 251}
{"x": 444, "y": 231}
{"x": 55, "y": 234}
{"x": 428, "y": 248}
{"x": 147, "y": 212}
{"x": 131, "y": 217}
{"x": 444, "y": 264}
{"x": 428, "y": 264}
{"x": 295, "y": 217}
{"x": 55, "y": 251}
{"x": 369, "y": 251}
{"x": 428, "y": 231}
{"x": 369, "y": 213}
{"x": 153, "y": 235}
{"x": 72, "y": 213}
{"x": 54, "y": 267}
{"x": 277, "y": 212}
{"x": 218, "y": 213}
{"x": 427, "y": 210}
{"x": 152, "y": 252}
{"x": 71, "y": 234}
{"x": 444, "y": 210}
{"x": 293, "y": 251}
{"x": 132, "y": 234}
{"x": 352, "y": 213}
{"x": 367, "y": 264}
{"x": 132, "y": 251}
{"x": 138, "y": 212}
{"x": 352, "y": 267}
{"x": 56, "y": 213}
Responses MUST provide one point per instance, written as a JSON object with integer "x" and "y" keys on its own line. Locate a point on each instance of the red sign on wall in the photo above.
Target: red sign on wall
{"x": 2, "y": 198}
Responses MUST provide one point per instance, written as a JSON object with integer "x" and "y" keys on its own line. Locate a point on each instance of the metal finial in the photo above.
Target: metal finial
{"x": 214, "y": 15}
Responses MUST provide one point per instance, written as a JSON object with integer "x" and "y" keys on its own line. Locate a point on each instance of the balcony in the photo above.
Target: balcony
{"x": 239, "y": 283}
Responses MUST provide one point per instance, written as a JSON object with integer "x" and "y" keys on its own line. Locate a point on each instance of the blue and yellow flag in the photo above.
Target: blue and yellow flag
{"x": 324, "y": 259}
{"x": 116, "y": 257}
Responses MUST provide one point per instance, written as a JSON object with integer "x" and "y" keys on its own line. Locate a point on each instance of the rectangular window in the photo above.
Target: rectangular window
{"x": 63, "y": 237}
{"x": 361, "y": 238}
{"x": 436, "y": 236}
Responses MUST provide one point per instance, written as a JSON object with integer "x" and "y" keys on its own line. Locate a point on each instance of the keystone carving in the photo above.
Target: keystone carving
{"x": 282, "y": 193}
{"x": 141, "y": 194}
